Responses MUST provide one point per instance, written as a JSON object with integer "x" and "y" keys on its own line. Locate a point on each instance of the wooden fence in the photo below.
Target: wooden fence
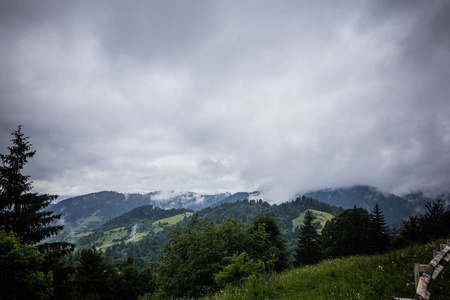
{"x": 424, "y": 283}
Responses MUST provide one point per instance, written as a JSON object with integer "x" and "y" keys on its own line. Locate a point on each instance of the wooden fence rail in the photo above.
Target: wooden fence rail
{"x": 424, "y": 284}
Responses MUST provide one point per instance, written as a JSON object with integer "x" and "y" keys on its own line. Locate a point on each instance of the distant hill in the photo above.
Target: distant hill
{"x": 421, "y": 198}
{"x": 87, "y": 212}
{"x": 190, "y": 200}
{"x": 143, "y": 231}
{"x": 395, "y": 208}
{"x": 238, "y": 196}
{"x": 92, "y": 210}
{"x": 132, "y": 226}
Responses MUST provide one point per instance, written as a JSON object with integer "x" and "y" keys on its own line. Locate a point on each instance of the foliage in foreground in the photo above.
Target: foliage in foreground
{"x": 357, "y": 277}
{"x": 96, "y": 278}
{"x": 20, "y": 270}
{"x": 202, "y": 257}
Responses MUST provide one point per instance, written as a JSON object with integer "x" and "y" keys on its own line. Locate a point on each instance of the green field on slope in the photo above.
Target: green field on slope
{"x": 320, "y": 216}
{"x": 114, "y": 236}
{"x": 159, "y": 224}
{"x": 359, "y": 277}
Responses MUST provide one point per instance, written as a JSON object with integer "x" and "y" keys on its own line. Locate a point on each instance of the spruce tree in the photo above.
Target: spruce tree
{"x": 20, "y": 211}
{"x": 430, "y": 221}
{"x": 378, "y": 230}
{"x": 96, "y": 278}
{"x": 24, "y": 213}
{"x": 308, "y": 251}
{"x": 13, "y": 184}
{"x": 411, "y": 230}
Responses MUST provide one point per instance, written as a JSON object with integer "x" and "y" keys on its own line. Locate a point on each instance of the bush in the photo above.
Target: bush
{"x": 238, "y": 268}
{"x": 21, "y": 274}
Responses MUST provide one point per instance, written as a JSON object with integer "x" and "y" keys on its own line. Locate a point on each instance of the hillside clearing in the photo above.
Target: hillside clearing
{"x": 319, "y": 216}
{"x": 173, "y": 220}
{"x": 117, "y": 235}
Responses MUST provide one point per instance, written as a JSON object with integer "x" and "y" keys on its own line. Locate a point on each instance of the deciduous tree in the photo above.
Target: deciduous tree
{"x": 267, "y": 242}
{"x": 198, "y": 252}
{"x": 21, "y": 275}
{"x": 347, "y": 234}
{"x": 189, "y": 260}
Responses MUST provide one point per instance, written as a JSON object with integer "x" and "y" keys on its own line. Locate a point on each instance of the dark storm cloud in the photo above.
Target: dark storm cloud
{"x": 281, "y": 96}
{"x": 422, "y": 80}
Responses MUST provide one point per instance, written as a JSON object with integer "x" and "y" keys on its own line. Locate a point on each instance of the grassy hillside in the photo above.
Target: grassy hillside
{"x": 319, "y": 216}
{"x": 108, "y": 237}
{"x": 117, "y": 235}
{"x": 132, "y": 227}
{"x": 359, "y": 277}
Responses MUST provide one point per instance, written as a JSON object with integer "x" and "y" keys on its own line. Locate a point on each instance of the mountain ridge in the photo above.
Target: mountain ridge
{"x": 90, "y": 211}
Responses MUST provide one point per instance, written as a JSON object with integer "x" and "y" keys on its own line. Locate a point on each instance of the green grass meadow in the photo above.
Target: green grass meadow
{"x": 358, "y": 277}
{"x": 159, "y": 224}
{"x": 116, "y": 235}
{"x": 320, "y": 216}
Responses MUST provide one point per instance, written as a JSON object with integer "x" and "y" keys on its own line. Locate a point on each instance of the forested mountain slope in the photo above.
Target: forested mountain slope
{"x": 152, "y": 225}
{"x": 134, "y": 226}
{"x": 420, "y": 198}
{"x": 83, "y": 214}
{"x": 90, "y": 211}
{"x": 395, "y": 208}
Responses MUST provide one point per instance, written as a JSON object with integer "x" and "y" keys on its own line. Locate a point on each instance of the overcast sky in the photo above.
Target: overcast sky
{"x": 212, "y": 96}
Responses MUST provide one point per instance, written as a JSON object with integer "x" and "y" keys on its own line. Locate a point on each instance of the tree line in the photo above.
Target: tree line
{"x": 357, "y": 232}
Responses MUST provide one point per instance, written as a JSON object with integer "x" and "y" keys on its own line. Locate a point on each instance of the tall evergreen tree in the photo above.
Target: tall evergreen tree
{"x": 435, "y": 211}
{"x": 411, "y": 230}
{"x": 23, "y": 212}
{"x": 432, "y": 224}
{"x": 137, "y": 282}
{"x": 430, "y": 221}
{"x": 13, "y": 184}
{"x": 308, "y": 251}
{"x": 97, "y": 279}
{"x": 20, "y": 211}
{"x": 378, "y": 230}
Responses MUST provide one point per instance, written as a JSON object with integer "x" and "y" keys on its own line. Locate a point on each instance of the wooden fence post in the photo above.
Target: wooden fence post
{"x": 418, "y": 268}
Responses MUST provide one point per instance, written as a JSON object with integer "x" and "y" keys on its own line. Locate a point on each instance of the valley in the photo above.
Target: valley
{"x": 120, "y": 224}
